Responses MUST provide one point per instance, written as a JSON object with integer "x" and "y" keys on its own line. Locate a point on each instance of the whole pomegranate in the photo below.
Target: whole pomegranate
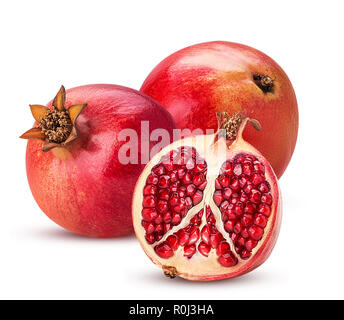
{"x": 195, "y": 82}
{"x": 76, "y": 175}
{"x": 208, "y": 207}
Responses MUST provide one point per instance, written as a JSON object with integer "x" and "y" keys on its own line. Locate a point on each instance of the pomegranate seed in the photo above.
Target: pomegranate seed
{"x": 204, "y": 249}
{"x": 237, "y": 169}
{"x": 197, "y": 197}
{"x": 167, "y": 227}
{"x": 238, "y": 249}
{"x": 162, "y": 206}
{"x": 218, "y": 198}
{"x": 190, "y": 164}
{"x": 174, "y": 186}
{"x": 159, "y": 170}
{"x": 244, "y": 233}
{"x": 238, "y": 209}
{"x": 188, "y": 202}
{"x": 222, "y": 248}
{"x": 239, "y": 158}
{"x": 224, "y": 181}
{"x": 230, "y": 212}
{"x": 149, "y": 190}
{"x": 173, "y": 176}
{"x": 180, "y": 207}
{"x": 256, "y": 232}
{"x": 258, "y": 167}
{"x": 181, "y": 192}
{"x": 257, "y": 179}
{"x": 198, "y": 179}
{"x": 250, "y": 207}
{"x": 215, "y": 239}
{"x": 227, "y": 168}
{"x": 235, "y": 185}
{"x": 176, "y": 219}
{"x": 242, "y": 181}
{"x": 248, "y": 187}
{"x": 264, "y": 187}
{"x": 247, "y": 169}
{"x": 260, "y": 221}
{"x": 149, "y": 202}
{"x": 158, "y": 219}
{"x": 250, "y": 244}
{"x": 245, "y": 254}
{"x": 243, "y": 197}
{"x": 187, "y": 178}
{"x": 152, "y": 179}
{"x": 237, "y": 227}
{"x": 205, "y": 234}
{"x": 164, "y": 195}
{"x": 241, "y": 241}
{"x": 194, "y": 235}
{"x": 173, "y": 242}
{"x": 255, "y": 196}
{"x": 158, "y": 236}
{"x": 217, "y": 184}
{"x": 229, "y": 226}
{"x": 211, "y": 219}
{"x": 149, "y": 227}
{"x": 196, "y": 220}
{"x": 228, "y": 260}
{"x": 190, "y": 189}
{"x": 246, "y": 220}
{"x": 149, "y": 214}
{"x": 234, "y": 237}
{"x": 189, "y": 250}
{"x": 227, "y": 192}
{"x": 224, "y": 205}
{"x": 264, "y": 209}
{"x": 183, "y": 237}
{"x": 266, "y": 198}
{"x": 181, "y": 172}
{"x": 174, "y": 200}
{"x": 235, "y": 198}
{"x": 150, "y": 238}
{"x": 202, "y": 185}
{"x": 200, "y": 167}
{"x": 167, "y": 217}
{"x": 159, "y": 228}
{"x": 163, "y": 250}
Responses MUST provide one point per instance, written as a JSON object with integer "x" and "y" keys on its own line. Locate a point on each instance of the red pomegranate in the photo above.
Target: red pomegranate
{"x": 208, "y": 207}
{"x": 77, "y": 177}
{"x": 195, "y": 82}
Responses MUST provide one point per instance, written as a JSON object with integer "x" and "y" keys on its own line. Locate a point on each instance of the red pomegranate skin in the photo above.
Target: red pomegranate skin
{"x": 83, "y": 187}
{"x": 195, "y": 82}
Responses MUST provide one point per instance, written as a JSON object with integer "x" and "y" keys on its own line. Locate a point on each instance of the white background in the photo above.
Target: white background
{"x": 48, "y": 43}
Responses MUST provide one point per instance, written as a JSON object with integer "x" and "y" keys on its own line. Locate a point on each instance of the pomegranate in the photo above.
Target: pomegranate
{"x": 208, "y": 207}
{"x": 195, "y": 82}
{"x": 77, "y": 177}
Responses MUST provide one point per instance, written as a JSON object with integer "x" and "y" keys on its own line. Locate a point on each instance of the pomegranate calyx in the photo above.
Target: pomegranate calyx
{"x": 264, "y": 82}
{"x": 170, "y": 272}
{"x": 56, "y": 126}
{"x": 233, "y": 126}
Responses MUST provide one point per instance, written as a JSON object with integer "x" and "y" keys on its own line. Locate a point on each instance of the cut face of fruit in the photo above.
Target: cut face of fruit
{"x": 205, "y": 209}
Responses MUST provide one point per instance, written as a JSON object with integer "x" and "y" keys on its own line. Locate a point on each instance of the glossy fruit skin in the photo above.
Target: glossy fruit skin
{"x": 195, "y": 82}
{"x": 83, "y": 187}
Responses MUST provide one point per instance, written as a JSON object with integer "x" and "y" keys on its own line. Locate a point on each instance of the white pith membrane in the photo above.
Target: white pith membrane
{"x": 200, "y": 257}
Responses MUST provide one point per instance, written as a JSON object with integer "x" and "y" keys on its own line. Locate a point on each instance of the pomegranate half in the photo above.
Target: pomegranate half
{"x": 196, "y": 82}
{"x": 72, "y": 158}
{"x": 208, "y": 207}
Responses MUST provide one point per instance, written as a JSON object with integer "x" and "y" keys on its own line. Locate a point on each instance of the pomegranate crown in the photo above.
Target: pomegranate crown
{"x": 56, "y": 126}
{"x": 232, "y": 126}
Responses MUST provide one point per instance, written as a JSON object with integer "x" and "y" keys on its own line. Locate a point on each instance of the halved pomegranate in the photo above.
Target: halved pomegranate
{"x": 208, "y": 207}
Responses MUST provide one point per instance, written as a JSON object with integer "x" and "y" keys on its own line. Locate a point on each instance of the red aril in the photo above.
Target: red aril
{"x": 78, "y": 179}
{"x": 228, "y": 208}
{"x": 195, "y": 82}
